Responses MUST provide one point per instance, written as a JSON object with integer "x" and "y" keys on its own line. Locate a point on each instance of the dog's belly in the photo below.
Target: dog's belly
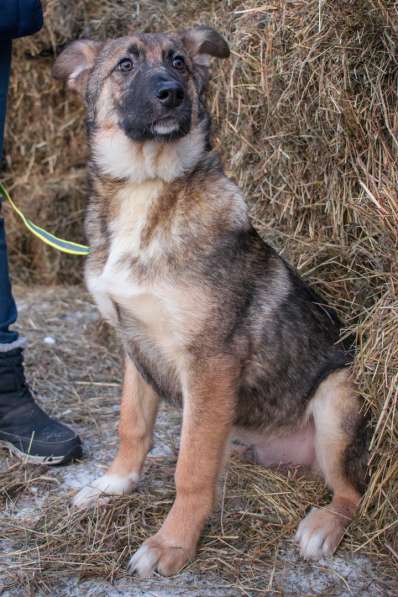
{"x": 292, "y": 447}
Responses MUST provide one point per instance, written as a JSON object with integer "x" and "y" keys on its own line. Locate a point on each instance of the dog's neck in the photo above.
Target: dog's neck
{"x": 115, "y": 156}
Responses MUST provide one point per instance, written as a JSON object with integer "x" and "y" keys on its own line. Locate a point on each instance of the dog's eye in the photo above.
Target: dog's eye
{"x": 178, "y": 62}
{"x": 125, "y": 65}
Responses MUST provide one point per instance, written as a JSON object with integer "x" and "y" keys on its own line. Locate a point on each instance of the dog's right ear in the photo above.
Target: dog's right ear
{"x": 74, "y": 64}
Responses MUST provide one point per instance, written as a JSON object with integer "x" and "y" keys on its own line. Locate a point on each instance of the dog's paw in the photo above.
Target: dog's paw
{"x": 156, "y": 555}
{"x": 100, "y": 490}
{"x": 320, "y": 533}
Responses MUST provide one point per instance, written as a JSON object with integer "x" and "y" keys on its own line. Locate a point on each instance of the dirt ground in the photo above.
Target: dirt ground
{"x": 74, "y": 365}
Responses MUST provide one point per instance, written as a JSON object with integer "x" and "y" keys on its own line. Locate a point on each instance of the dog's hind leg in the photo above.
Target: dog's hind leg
{"x": 336, "y": 412}
{"x": 138, "y": 411}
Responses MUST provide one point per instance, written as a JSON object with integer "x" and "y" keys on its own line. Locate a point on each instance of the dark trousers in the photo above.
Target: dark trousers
{"x": 8, "y": 310}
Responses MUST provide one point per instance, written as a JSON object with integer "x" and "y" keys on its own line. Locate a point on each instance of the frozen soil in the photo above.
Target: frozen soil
{"x": 74, "y": 365}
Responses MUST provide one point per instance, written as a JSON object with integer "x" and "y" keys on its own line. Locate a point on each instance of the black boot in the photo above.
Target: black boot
{"x": 24, "y": 428}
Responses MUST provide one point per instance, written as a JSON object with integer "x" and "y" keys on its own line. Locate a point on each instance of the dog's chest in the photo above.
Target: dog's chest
{"x": 152, "y": 307}
{"x": 121, "y": 279}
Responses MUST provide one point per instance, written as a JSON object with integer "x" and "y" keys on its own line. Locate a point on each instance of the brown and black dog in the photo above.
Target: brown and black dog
{"x": 210, "y": 316}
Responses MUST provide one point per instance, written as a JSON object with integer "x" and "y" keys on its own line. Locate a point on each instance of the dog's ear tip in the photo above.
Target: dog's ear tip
{"x": 206, "y": 40}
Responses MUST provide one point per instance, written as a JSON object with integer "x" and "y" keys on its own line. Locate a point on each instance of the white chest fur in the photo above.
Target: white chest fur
{"x": 119, "y": 157}
{"x": 116, "y": 282}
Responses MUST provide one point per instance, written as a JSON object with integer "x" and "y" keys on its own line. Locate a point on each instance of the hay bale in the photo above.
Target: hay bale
{"x": 307, "y": 117}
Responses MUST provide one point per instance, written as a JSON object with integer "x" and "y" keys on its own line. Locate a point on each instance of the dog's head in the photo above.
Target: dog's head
{"x": 148, "y": 85}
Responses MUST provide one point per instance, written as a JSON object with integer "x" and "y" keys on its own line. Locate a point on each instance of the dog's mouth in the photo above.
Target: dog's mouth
{"x": 169, "y": 129}
{"x": 153, "y": 122}
{"x": 163, "y": 129}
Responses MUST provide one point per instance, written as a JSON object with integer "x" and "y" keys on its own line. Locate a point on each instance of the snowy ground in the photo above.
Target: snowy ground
{"x": 43, "y": 322}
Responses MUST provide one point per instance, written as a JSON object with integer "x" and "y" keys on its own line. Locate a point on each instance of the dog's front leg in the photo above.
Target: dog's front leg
{"x": 209, "y": 400}
{"x": 137, "y": 417}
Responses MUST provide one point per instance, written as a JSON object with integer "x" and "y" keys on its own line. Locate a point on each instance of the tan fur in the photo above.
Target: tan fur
{"x": 138, "y": 410}
{"x": 199, "y": 463}
{"x": 334, "y": 403}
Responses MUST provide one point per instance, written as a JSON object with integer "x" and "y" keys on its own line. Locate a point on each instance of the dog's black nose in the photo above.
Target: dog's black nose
{"x": 170, "y": 94}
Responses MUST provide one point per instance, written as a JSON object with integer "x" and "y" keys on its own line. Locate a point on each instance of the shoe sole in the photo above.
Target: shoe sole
{"x": 74, "y": 454}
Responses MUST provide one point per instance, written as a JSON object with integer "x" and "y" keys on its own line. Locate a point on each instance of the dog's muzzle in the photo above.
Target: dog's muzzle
{"x": 156, "y": 107}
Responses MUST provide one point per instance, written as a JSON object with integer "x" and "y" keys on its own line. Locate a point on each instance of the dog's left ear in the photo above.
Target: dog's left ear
{"x": 203, "y": 42}
{"x": 75, "y": 63}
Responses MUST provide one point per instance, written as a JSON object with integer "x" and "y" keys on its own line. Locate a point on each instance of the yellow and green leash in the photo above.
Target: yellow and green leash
{"x": 66, "y": 246}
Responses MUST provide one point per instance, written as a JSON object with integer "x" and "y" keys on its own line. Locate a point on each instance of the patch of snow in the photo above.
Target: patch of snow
{"x": 352, "y": 576}
{"x": 186, "y": 584}
{"x": 81, "y": 475}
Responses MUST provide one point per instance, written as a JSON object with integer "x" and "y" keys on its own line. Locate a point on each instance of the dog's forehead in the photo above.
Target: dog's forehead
{"x": 152, "y": 46}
